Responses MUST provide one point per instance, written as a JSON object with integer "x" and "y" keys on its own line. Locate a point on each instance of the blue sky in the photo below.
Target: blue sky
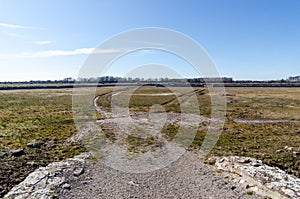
{"x": 246, "y": 39}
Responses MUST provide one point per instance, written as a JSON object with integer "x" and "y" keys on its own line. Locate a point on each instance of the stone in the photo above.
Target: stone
{"x": 43, "y": 181}
{"x": 296, "y": 153}
{"x": 244, "y": 160}
{"x": 33, "y": 144}
{"x": 31, "y": 163}
{"x": 66, "y": 186}
{"x": 288, "y": 148}
{"x": 256, "y": 164}
{"x": 18, "y": 152}
{"x": 211, "y": 161}
{"x": 133, "y": 183}
{"x": 279, "y": 151}
{"x": 289, "y": 192}
{"x": 252, "y": 174}
{"x": 245, "y": 186}
{"x": 2, "y": 155}
{"x": 78, "y": 171}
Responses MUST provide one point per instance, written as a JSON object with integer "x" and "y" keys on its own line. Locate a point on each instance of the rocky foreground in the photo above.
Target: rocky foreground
{"x": 254, "y": 176}
{"x": 188, "y": 177}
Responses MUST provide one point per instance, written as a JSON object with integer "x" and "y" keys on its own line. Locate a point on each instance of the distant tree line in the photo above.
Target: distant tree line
{"x": 112, "y": 79}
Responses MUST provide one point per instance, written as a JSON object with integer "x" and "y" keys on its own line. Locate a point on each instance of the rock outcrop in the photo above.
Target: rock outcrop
{"x": 45, "y": 181}
{"x": 257, "y": 177}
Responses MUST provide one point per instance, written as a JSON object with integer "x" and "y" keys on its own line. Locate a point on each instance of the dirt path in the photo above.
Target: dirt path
{"x": 185, "y": 177}
{"x": 188, "y": 177}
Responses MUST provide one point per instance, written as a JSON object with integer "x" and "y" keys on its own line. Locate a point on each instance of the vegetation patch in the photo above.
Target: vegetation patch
{"x": 266, "y": 142}
{"x": 140, "y": 144}
{"x": 110, "y": 135}
{"x": 263, "y": 103}
{"x": 43, "y": 116}
{"x": 169, "y": 131}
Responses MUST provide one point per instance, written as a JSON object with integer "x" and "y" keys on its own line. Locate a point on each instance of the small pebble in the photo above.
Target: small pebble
{"x": 66, "y": 186}
{"x": 78, "y": 171}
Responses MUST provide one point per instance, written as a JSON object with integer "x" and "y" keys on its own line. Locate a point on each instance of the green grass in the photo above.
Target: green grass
{"x": 109, "y": 134}
{"x": 41, "y": 115}
{"x": 249, "y": 193}
{"x": 169, "y": 131}
{"x": 262, "y": 141}
{"x": 138, "y": 144}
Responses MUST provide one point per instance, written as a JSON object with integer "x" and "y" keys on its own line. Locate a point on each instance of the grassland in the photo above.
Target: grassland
{"x": 45, "y": 116}
{"x": 142, "y": 98}
{"x": 41, "y": 116}
{"x": 268, "y": 103}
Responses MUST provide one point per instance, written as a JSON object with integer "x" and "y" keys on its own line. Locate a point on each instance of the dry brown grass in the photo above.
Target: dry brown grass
{"x": 268, "y": 103}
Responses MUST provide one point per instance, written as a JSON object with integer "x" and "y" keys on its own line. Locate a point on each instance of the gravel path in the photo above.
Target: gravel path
{"x": 188, "y": 177}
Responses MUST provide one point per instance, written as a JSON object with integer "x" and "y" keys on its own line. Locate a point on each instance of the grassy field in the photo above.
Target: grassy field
{"x": 269, "y": 103}
{"x": 142, "y": 98}
{"x": 45, "y": 116}
{"x": 42, "y": 116}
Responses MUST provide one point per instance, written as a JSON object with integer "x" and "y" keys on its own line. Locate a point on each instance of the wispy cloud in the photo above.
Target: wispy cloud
{"x": 13, "y": 34}
{"x": 145, "y": 52}
{"x": 43, "y": 42}
{"x": 6, "y": 25}
{"x": 56, "y": 53}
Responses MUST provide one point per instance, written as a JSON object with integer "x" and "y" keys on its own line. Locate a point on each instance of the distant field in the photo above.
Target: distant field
{"x": 143, "y": 98}
{"x": 242, "y": 102}
{"x": 46, "y": 116}
{"x": 269, "y": 103}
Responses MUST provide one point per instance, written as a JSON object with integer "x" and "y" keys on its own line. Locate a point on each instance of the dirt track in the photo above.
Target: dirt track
{"x": 188, "y": 177}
